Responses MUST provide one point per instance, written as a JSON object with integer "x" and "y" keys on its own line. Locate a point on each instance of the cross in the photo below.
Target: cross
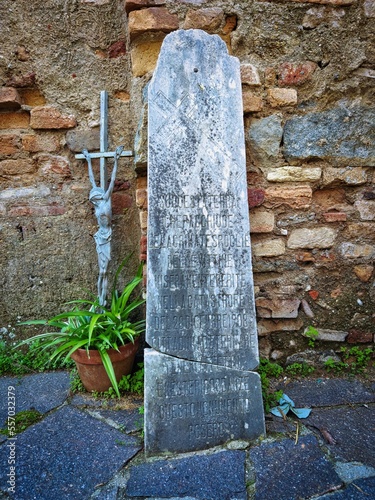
{"x": 100, "y": 197}
{"x": 103, "y": 154}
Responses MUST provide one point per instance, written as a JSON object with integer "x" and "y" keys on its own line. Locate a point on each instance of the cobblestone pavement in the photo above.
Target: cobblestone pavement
{"x": 87, "y": 448}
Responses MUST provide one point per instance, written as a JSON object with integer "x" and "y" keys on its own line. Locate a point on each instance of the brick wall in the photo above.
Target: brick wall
{"x": 307, "y": 70}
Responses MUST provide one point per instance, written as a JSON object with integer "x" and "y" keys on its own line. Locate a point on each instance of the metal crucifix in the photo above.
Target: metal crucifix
{"x": 100, "y": 196}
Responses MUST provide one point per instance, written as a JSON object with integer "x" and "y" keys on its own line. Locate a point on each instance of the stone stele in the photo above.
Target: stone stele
{"x": 201, "y": 323}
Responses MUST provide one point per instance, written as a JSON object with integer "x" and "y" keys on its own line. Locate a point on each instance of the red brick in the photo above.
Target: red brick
{"x": 335, "y": 216}
{"x": 56, "y": 165}
{"x": 32, "y": 97}
{"x": 9, "y": 144}
{"x": 9, "y": 99}
{"x": 255, "y": 197}
{"x": 117, "y": 49}
{"x": 151, "y": 20}
{"x": 48, "y": 117}
{"x": 141, "y": 4}
{"x": 294, "y": 197}
{"x": 36, "y": 211}
{"x": 305, "y": 257}
{"x": 314, "y": 294}
{"x": 36, "y": 143}
{"x": 120, "y": 202}
{"x": 15, "y": 120}
{"x": 295, "y": 73}
{"x": 208, "y": 19}
{"x": 359, "y": 337}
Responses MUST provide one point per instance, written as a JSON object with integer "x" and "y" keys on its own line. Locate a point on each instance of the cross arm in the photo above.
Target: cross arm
{"x": 109, "y": 154}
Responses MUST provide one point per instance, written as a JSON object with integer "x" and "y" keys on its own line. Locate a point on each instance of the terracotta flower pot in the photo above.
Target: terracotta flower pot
{"x": 91, "y": 370}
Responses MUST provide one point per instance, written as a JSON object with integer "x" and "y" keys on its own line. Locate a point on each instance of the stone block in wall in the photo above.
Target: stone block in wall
{"x": 355, "y": 251}
{"x": 9, "y": 99}
{"x": 144, "y": 57}
{"x": 340, "y": 135}
{"x": 321, "y": 237}
{"x": 352, "y": 176}
{"x": 152, "y": 19}
{"x": 363, "y": 272}
{"x": 143, "y": 217}
{"x": 208, "y": 19}
{"x": 266, "y": 326}
{"x": 268, "y": 248}
{"x": 9, "y": 144}
{"x": 141, "y": 4}
{"x": 49, "y": 117}
{"x": 327, "y": 15}
{"x": 277, "y": 308}
{"x": 282, "y": 97}
{"x": 39, "y": 192}
{"x": 141, "y": 198}
{"x": 292, "y": 73}
{"x": 328, "y": 335}
{"x": 292, "y": 196}
{"x": 366, "y": 209}
{"x": 251, "y": 103}
{"x": 261, "y": 221}
{"x": 369, "y": 6}
{"x": 265, "y": 136}
{"x": 37, "y": 143}
{"x": 16, "y": 167}
{"x": 294, "y": 174}
{"x": 362, "y": 230}
{"x": 249, "y": 75}
{"x": 78, "y": 140}
{"x": 15, "y": 120}
{"x": 230, "y": 24}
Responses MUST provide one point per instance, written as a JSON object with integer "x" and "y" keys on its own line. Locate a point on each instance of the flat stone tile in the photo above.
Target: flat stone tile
{"x": 204, "y": 477}
{"x": 41, "y": 391}
{"x": 327, "y": 392}
{"x": 66, "y": 456}
{"x": 129, "y": 420}
{"x": 361, "y": 489}
{"x": 287, "y": 471}
{"x": 353, "y": 429}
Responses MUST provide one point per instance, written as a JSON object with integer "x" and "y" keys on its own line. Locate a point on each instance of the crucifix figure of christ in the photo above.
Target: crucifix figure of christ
{"x": 100, "y": 197}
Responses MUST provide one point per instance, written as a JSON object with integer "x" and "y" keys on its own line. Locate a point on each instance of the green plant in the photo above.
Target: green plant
{"x": 302, "y": 369}
{"x": 90, "y": 325}
{"x": 267, "y": 369}
{"x": 331, "y": 365}
{"x": 22, "y": 421}
{"x": 312, "y": 334}
{"x": 19, "y": 362}
{"x": 134, "y": 382}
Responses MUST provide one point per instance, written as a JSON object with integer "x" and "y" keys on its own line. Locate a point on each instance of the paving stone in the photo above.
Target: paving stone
{"x": 129, "y": 420}
{"x": 353, "y": 430}
{"x": 328, "y": 392}
{"x": 359, "y": 490}
{"x": 206, "y": 477}
{"x": 285, "y": 470}
{"x": 66, "y": 456}
{"x": 42, "y": 391}
{"x": 351, "y": 471}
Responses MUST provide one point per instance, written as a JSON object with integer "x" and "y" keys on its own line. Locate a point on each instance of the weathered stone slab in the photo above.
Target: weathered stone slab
{"x": 339, "y": 135}
{"x": 221, "y": 475}
{"x": 200, "y": 302}
{"x": 200, "y": 298}
{"x": 197, "y": 406}
{"x": 285, "y": 470}
{"x": 66, "y": 456}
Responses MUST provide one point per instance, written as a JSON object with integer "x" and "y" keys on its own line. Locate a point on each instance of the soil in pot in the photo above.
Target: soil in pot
{"x": 91, "y": 370}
